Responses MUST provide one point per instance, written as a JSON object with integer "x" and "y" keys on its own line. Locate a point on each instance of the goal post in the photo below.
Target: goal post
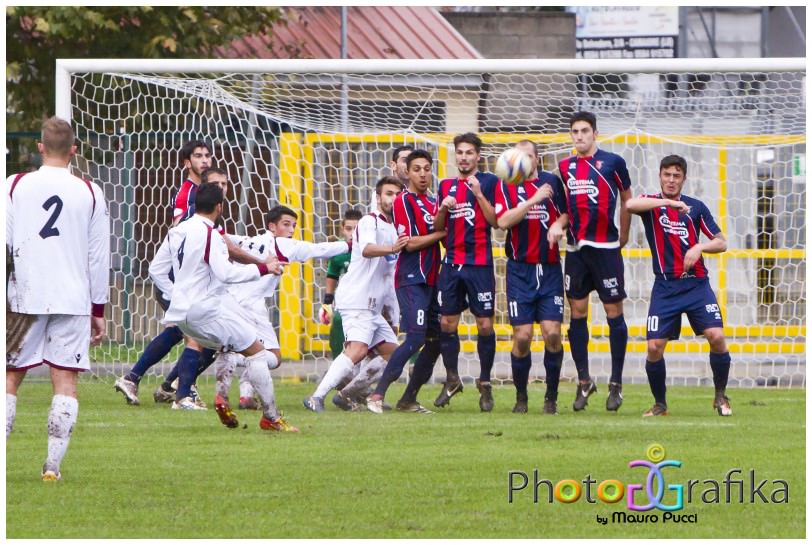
{"x": 316, "y": 135}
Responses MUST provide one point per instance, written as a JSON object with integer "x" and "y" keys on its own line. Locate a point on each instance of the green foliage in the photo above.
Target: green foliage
{"x": 37, "y": 36}
{"x": 150, "y": 472}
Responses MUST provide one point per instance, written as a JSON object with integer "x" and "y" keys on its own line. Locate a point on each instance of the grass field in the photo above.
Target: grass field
{"x": 149, "y": 472}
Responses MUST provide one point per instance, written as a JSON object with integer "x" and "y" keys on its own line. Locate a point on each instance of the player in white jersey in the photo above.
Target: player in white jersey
{"x": 360, "y": 296}
{"x": 201, "y": 305}
{"x": 58, "y": 234}
{"x": 276, "y": 241}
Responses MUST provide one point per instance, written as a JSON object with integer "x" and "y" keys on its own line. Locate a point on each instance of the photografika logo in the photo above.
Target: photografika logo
{"x": 661, "y": 489}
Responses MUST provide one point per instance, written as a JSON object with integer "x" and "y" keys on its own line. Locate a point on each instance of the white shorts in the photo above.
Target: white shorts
{"x": 367, "y": 327}
{"x": 59, "y": 340}
{"x": 265, "y": 330}
{"x": 391, "y": 300}
{"x": 220, "y": 324}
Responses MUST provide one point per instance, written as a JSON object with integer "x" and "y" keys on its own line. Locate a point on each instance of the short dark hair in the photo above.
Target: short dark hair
{"x": 525, "y": 142}
{"x": 674, "y": 161}
{"x": 468, "y": 138}
{"x": 275, "y": 214}
{"x": 207, "y": 198}
{"x": 204, "y": 178}
{"x": 57, "y": 136}
{"x": 387, "y": 180}
{"x": 589, "y": 117}
{"x": 189, "y": 148}
{"x": 396, "y": 153}
{"x": 418, "y": 154}
{"x": 352, "y": 214}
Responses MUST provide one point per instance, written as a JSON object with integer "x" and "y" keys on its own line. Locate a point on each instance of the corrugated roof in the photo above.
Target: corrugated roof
{"x": 372, "y": 33}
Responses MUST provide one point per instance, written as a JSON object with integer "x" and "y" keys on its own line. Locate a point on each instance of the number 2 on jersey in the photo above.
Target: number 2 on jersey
{"x": 48, "y": 230}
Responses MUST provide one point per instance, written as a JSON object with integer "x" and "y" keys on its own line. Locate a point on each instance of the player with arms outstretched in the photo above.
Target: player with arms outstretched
{"x": 673, "y": 223}
{"x": 58, "y": 234}
{"x": 597, "y": 181}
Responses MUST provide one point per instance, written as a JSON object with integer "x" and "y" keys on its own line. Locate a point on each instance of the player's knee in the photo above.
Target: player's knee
{"x": 484, "y": 325}
{"x": 716, "y": 339}
{"x": 414, "y": 341}
{"x": 552, "y": 341}
{"x": 272, "y": 360}
{"x": 655, "y": 349}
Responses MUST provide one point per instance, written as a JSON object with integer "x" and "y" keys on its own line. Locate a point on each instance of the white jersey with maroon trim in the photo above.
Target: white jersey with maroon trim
{"x": 58, "y": 232}
{"x": 287, "y": 250}
{"x": 201, "y": 266}
{"x": 368, "y": 279}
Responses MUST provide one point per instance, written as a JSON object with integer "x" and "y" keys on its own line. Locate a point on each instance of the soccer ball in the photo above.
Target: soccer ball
{"x": 514, "y": 166}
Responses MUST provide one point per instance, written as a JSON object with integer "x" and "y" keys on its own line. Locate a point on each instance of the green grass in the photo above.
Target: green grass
{"x": 149, "y": 472}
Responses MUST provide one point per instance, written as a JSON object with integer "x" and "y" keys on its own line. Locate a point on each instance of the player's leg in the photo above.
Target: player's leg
{"x": 720, "y": 366}
{"x": 14, "y": 377}
{"x": 259, "y": 363}
{"x": 577, "y": 285}
{"x": 355, "y": 392}
{"x": 553, "y": 359}
{"x": 224, "y": 366}
{"x": 522, "y": 282}
{"x": 607, "y": 269}
{"x": 663, "y": 323}
{"x": 155, "y": 351}
{"x": 385, "y": 343}
{"x": 655, "y": 371}
{"x": 424, "y": 364}
{"x": 520, "y": 363}
{"x": 480, "y": 287}
{"x": 25, "y": 344}
{"x": 451, "y": 298}
{"x": 187, "y": 371}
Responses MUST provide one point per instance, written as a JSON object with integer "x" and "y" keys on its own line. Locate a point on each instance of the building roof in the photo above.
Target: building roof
{"x": 372, "y": 33}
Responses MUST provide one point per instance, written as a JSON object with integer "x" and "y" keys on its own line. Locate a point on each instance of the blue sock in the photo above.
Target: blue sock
{"x": 206, "y": 359}
{"x": 155, "y": 351}
{"x": 552, "y": 366}
{"x": 423, "y": 368}
{"x": 720, "y": 365}
{"x": 397, "y": 361}
{"x": 656, "y": 379}
{"x": 579, "y": 346}
{"x": 450, "y": 349}
{"x": 521, "y": 371}
{"x": 187, "y": 368}
{"x": 618, "y": 338}
{"x": 486, "y": 348}
{"x": 173, "y": 374}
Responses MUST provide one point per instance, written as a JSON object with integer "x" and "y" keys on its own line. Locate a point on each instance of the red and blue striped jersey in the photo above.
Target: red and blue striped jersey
{"x": 593, "y": 184}
{"x": 414, "y": 216}
{"x": 469, "y": 234}
{"x": 183, "y": 203}
{"x": 526, "y": 241}
{"x": 671, "y": 234}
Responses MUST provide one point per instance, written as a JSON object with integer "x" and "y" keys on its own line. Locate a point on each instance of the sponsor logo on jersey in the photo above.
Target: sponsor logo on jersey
{"x": 677, "y": 228}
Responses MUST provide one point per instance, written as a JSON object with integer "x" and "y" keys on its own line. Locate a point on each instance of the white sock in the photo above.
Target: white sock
{"x": 224, "y": 366}
{"x": 11, "y": 412}
{"x": 369, "y": 373}
{"x": 61, "y": 420}
{"x": 246, "y": 390}
{"x": 340, "y": 368}
{"x": 260, "y": 378}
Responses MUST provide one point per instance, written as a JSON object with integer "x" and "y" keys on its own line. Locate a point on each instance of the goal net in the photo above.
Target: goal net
{"x": 316, "y": 136}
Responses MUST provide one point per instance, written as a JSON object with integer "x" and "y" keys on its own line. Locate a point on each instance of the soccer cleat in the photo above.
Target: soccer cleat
{"x": 451, "y": 387}
{"x": 615, "y": 399}
{"x": 248, "y": 404}
{"x": 658, "y": 409}
{"x": 276, "y": 424}
{"x": 315, "y": 404}
{"x": 195, "y": 395}
{"x": 129, "y": 389}
{"x": 550, "y": 406}
{"x": 224, "y": 412}
{"x": 187, "y": 404}
{"x": 582, "y": 395}
{"x": 163, "y": 396}
{"x": 50, "y": 475}
{"x": 521, "y": 404}
{"x": 485, "y": 396}
{"x": 722, "y": 404}
{"x": 375, "y": 405}
{"x": 343, "y": 402}
{"x": 411, "y": 406}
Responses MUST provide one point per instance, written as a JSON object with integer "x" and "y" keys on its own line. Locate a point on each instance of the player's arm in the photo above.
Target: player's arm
{"x": 641, "y": 205}
{"x": 300, "y": 250}
{"x": 717, "y": 243}
{"x": 330, "y": 286}
{"x": 99, "y": 265}
{"x": 415, "y": 244}
{"x": 159, "y": 268}
{"x": 483, "y": 201}
{"x": 556, "y": 231}
{"x": 238, "y": 255}
{"x": 231, "y": 273}
{"x": 625, "y": 217}
{"x": 446, "y": 204}
{"x": 380, "y": 250}
{"x": 513, "y": 216}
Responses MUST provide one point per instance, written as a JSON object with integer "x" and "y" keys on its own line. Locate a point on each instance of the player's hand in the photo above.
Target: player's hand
{"x": 98, "y": 329}
{"x": 473, "y": 183}
{"x": 691, "y": 257}
{"x": 544, "y": 192}
{"x": 326, "y": 314}
{"x": 554, "y": 234}
{"x": 448, "y": 203}
{"x": 680, "y": 206}
{"x": 623, "y": 240}
{"x": 274, "y": 265}
{"x": 400, "y": 244}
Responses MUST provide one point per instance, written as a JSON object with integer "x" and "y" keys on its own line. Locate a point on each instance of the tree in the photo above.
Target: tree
{"x": 37, "y": 36}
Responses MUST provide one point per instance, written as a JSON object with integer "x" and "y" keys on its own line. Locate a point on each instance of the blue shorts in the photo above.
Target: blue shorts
{"x": 464, "y": 286}
{"x": 670, "y": 298}
{"x": 419, "y": 309}
{"x": 534, "y": 292}
{"x": 599, "y": 269}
